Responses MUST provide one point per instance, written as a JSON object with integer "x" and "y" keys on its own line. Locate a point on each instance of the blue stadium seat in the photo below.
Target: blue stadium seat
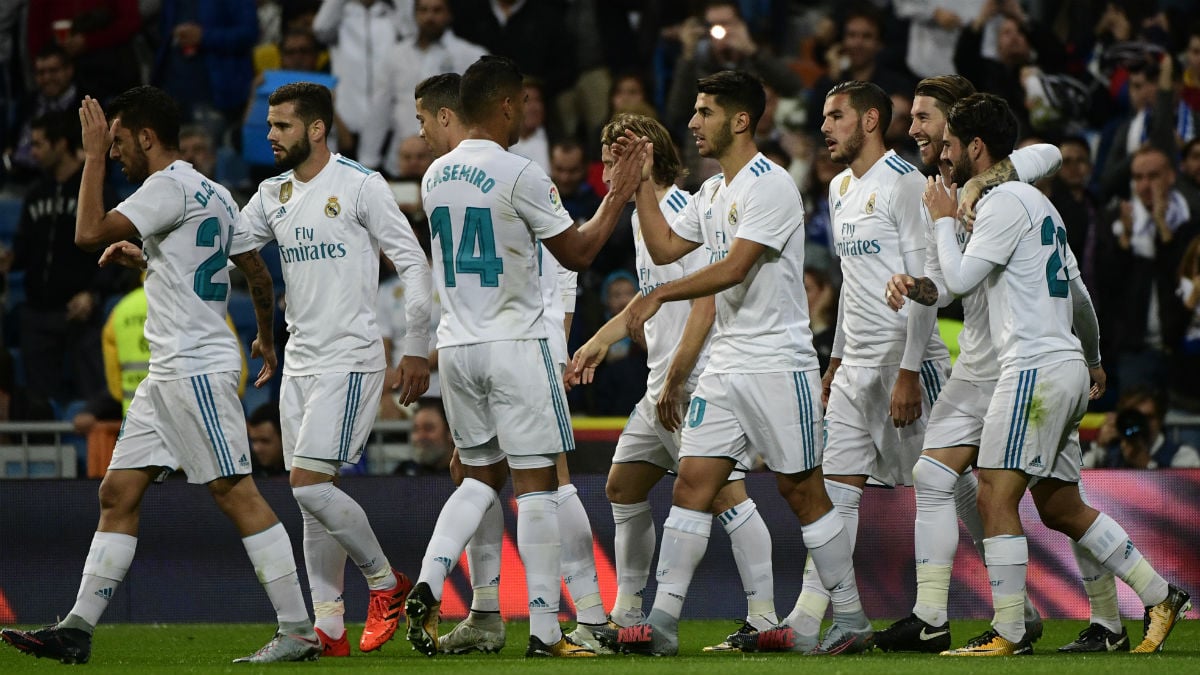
{"x": 10, "y": 217}
{"x": 241, "y": 310}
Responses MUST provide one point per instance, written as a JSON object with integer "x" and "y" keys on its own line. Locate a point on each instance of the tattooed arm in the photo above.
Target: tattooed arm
{"x": 262, "y": 292}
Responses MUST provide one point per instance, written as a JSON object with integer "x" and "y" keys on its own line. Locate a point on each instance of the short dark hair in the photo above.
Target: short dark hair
{"x": 440, "y": 91}
{"x": 267, "y": 412}
{"x": 300, "y": 33}
{"x": 487, "y": 82}
{"x": 736, "y": 91}
{"x": 567, "y": 144}
{"x": 52, "y": 50}
{"x": 60, "y": 126}
{"x": 945, "y": 89}
{"x": 737, "y": 9}
{"x": 864, "y": 10}
{"x": 313, "y": 102}
{"x": 863, "y": 96}
{"x": 988, "y": 118}
{"x": 1078, "y": 141}
{"x": 1187, "y": 147}
{"x": 667, "y": 166}
{"x": 147, "y": 107}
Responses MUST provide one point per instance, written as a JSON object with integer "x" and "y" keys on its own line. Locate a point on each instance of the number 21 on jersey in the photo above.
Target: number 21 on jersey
{"x": 476, "y": 252}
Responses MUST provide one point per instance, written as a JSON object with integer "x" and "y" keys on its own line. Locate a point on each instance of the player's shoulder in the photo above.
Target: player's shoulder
{"x": 345, "y": 165}
{"x": 676, "y": 200}
{"x": 898, "y": 167}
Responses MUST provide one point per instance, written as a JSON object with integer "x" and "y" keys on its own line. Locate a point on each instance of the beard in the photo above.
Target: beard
{"x": 294, "y": 156}
{"x": 852, "y": 147}
{"x": 136, "y": 166}
{"x": 962, "y": 171}
{"x": 720, "y": 142}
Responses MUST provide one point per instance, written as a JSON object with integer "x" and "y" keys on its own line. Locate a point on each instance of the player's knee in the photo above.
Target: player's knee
{"x": 117, "y": 496}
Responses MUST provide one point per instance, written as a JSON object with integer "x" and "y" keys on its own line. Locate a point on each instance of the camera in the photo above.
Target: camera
{"x": 1134, "y": 425}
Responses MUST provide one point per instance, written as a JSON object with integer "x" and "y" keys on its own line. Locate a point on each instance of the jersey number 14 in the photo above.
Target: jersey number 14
{"x": 476, "y": 252}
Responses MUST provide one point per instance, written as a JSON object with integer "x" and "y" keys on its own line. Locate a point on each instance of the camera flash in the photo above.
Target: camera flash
{"x": 717, "y": 32}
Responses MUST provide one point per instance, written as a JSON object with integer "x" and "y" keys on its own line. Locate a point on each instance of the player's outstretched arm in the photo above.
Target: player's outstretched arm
{"x": 583, "y": 364}
{"x": 576, "y": 247}
{"x": 262, "y": 294}
{"x": 93, "y": 227}
{"x": 672, "y": 402}
{"x": 664, "y": 246}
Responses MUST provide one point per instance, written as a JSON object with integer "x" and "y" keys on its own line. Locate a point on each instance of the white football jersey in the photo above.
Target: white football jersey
{"x": 559, "y": 287}
{"x": 877, "y": 218}
{"x": 664, "y": 330}
{"x": 487, "y": 208}
{"x": 330, "y": 232}
{"x": 186, "y": 222}
{"x": 977, "y": 360}
{"x": 762, "y": 323}
{"x": 1028, "y": 293}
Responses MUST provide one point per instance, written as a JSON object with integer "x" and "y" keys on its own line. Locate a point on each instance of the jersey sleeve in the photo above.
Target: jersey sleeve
{"x": 537, "y": 202}
{"x": 252, "y": 231}
{"x": 687, "y": 223}
{"x": 907, "y": 211}
{"x": 997, "y": 229}
{"x": 1035, "y": 162}
{"x": 157, "y": 207}
{"x": 382, "y": 218}
{"x": 771, "y": 214}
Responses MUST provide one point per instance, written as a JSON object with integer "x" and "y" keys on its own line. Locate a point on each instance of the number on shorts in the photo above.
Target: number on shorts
{"x": 208, "y": 235}
{"x": 696, "y": 411}
{"x": 1056, "y": 279}
{"x": 476, "y": 252}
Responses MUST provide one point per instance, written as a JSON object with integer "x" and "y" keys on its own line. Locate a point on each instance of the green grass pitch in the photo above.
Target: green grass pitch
{"x": 208, "y": 648}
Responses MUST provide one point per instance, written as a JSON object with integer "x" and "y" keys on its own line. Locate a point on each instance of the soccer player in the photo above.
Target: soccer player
{"x": 677, "y": 344}
{"x": 758, "y": 392}
{"x": 945, "y": 484}
{"x": 503, "y": 393}
{"x": 437, "y": 103}
{"x": 186, "y": 413}
{"x": 1018, "y": 252}
{"x": 887, "y": 367}
{"x": 331, "y": 217}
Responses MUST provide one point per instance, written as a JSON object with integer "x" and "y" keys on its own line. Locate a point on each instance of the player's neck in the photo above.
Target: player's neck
{"x": 312, "y": 166}
{"x": 872, "y": 151}
{"x": 157, "y": 161}
{"x": 738, "y": 156}
{"x": 660, "y": 191}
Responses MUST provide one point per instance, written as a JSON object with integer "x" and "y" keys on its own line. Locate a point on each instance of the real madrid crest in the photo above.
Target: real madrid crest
{"x": 285, "y": 192}
{"x": 870, "y": 207}
{"x": 845, "y": 186}
{"x": 332, "y": 208}
{"x": 733, "y": 213}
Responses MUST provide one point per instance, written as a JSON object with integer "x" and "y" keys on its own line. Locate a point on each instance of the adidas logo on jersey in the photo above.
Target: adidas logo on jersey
{"x": 446, "y": 562}
{"x": 538, "y": 603}
{"x": 105, "y": 593}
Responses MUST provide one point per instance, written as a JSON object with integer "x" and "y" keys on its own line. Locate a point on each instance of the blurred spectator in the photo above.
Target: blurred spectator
{"x": 298, "y": 51}
{"x": 1152, "y": 231}
{"x": 413, "y": 159}
{"x": 1089, "y": 240}
{"x": 1189, "y": 174}
{"x": 18, "y": 404}
{"x": 266, "y": 440}
{"x": 856, "y": 57}
{"x": 205, "y": 60}
{"x": 896, "y": 136}
{"x": 934, "y": 24}
{"x": 1133, "y": 438}
{"x": 54, "y": 91}
{"x": 719, "y": 40}
{"x": 298, "y": 17}
{"x": 620, "y": 382}
{"x": 435, "y": 50}
{"x": 1152, "y": 119}
{"x": 1019, "y": 43}
{"x": 1185, "y": 388}
{"x": 818, "y": 233}
{"x": 1190, "y": 92}
{"x": 822, "y": 312}
{"x": 534, "y": 142}
{"x": 628, "y": 92}
{"x": 568, "y": 171}
{"x": 533, "y": 34}
{"x": 431, "y": 441}
{"x": 64, "y": 290}
{"x": 10, "y": 13}
{"x": 603, "y": 35}
{"x": 196, "y": 148}
{"x": 97, "y": 34}
{"x": 361, "y": 35}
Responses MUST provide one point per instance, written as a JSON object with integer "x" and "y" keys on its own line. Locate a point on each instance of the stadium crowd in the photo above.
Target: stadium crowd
{"x": 748, "y": 110}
